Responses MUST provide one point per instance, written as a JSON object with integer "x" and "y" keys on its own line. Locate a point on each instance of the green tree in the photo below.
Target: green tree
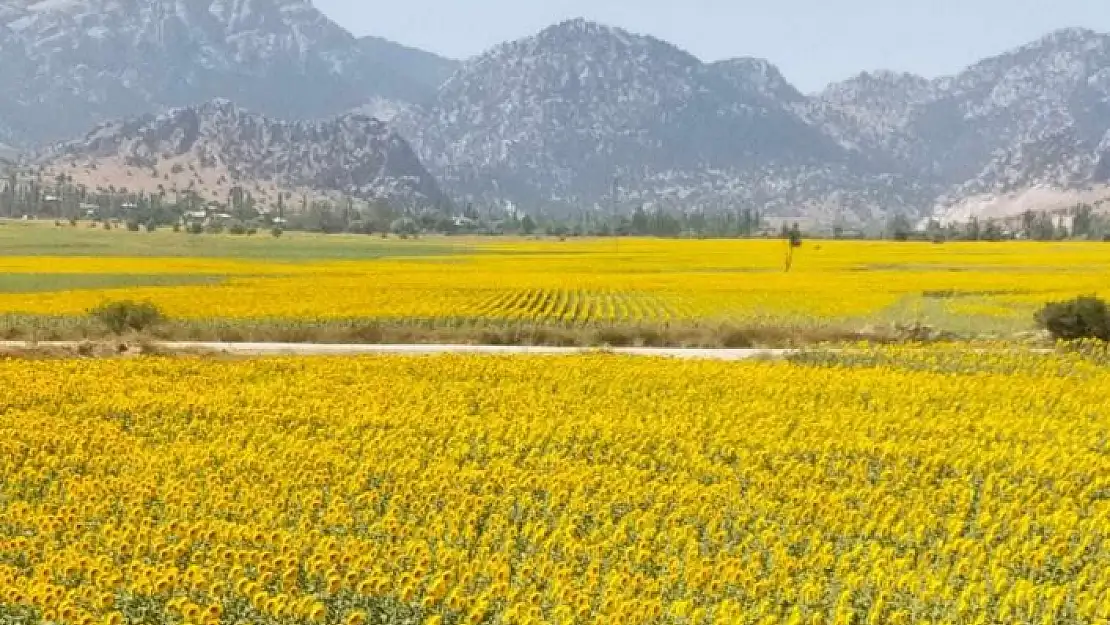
{"x": 640, "y": 223}
{"x": 795, "y": 235}
{"x": 974, "y": 232}
{"x": 528, "y": 225}
{"x": 1082, "y": 221}
{"x": 899, "y": 228}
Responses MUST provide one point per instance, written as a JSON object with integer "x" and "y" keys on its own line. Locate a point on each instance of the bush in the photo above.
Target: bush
{"x": 132, "y": 226}
{"x": 176, "y": 227}
{"x": 151, "y": 226}
{"x": 237, "y": 229}
{"x": 1081, "y": 318}
{"x": 276, "y": 233}
{"x": 196, "y": 228}
{"x": 125, "y": 315}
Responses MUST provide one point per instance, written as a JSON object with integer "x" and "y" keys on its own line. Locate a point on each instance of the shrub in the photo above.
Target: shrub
{"x": 151, "y": 226}
{"x": 132, "y": 226}
{"x": 196, "y": 228}
{"x": 124, "y": 315}
{"x": 238, "y": 229}
{"x": 107, "y": 225}
{"x": 613, "y": 337}
{"x": 735, "y": 338}
{"x": 1081, "y": 318}
{"x": 276, "y": 233}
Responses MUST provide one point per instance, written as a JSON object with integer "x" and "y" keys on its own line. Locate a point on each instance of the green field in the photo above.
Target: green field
{"x": 45, "y": 282}
{"x": 37, "y": 238}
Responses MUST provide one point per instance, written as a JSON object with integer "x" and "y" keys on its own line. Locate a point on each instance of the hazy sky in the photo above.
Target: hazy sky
{"x": 813, "y": 42}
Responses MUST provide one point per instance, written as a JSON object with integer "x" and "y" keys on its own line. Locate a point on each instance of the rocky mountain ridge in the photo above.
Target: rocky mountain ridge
{"x": 583, "y": 114}
{"x": 76, "y": 63}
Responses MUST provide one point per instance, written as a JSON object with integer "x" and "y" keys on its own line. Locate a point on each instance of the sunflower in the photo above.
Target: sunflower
{"x": 317, "y": 612}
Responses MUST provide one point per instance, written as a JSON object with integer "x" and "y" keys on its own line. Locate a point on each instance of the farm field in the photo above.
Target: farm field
{"x": 899, "y": 486}
{"x": 365, "y": 289}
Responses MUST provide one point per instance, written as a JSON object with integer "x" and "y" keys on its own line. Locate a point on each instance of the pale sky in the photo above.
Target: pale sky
{"x": 813, "y": 42}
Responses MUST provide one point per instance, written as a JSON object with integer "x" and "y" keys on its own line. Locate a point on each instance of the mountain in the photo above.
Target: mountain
{"x": 586, "y": 115}
{"x": 424, "y": 70}
{"x": 870, "y": 113}
{"x": 216, "y": 146}
{"x": 553, "y": 120}
{"x": 1033, "y": 118}
{"x": 75, "y": 63}
{"x": 758, "y": 76}
{"x": 583, "y": 116}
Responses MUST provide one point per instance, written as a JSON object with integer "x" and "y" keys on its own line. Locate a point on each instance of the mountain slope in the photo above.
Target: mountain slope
{"x": 215, "y": 146}
{"x": 584, "y": 115}
{"x": 554, "y": 119}
{"x": 79, "y": 62}
{"x": 1032, "y": 117}
{"x": 870, "y": 113}
{"x": 423, "y": 70}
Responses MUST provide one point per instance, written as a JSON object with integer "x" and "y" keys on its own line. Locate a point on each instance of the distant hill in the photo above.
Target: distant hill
{"x": 216, "y": 146}
{"x": 1035, "y": 118}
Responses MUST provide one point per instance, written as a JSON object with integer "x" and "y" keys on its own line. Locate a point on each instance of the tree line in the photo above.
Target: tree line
{"x": 1078, "y": 222}
{"x": 62, "y": 199}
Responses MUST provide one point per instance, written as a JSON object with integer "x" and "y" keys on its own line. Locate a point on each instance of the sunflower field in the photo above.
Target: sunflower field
{"x": 898, "y": 486}
{"x": 974, "y": 286}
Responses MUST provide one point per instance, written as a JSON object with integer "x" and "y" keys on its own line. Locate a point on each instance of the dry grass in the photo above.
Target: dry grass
{"x": 44, "y": 329}
{"x": 83, "y": 349}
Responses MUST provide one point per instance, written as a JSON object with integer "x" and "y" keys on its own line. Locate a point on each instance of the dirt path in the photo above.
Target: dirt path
{"x": 321, "y": 349}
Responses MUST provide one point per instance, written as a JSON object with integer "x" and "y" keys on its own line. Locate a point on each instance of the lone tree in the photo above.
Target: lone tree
{"x": 795, "y": 235}
{"x": 793, "y": 240}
